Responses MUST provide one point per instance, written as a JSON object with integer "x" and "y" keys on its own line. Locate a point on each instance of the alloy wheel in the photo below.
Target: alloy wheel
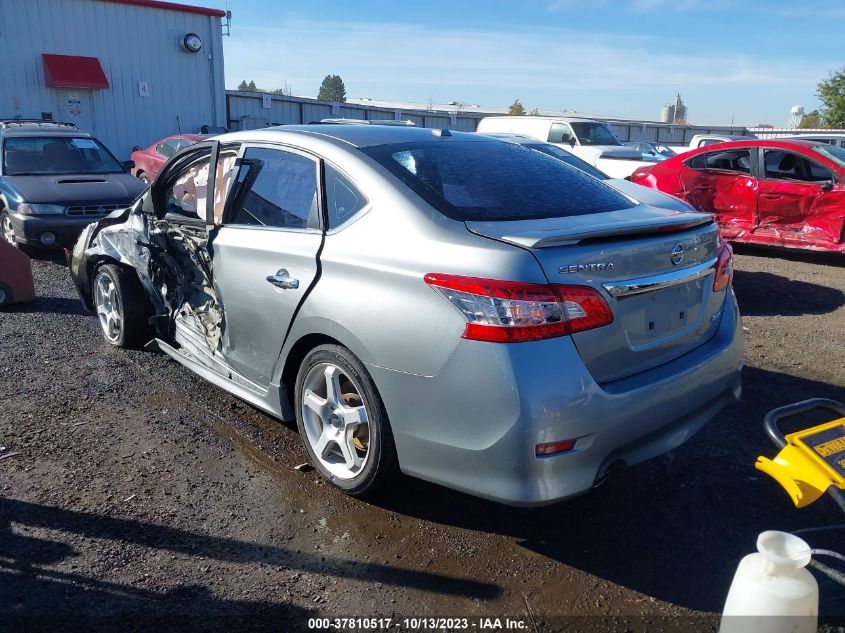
{"x": 108, "y": 308}
{"x": 335, "y": 420}
{"x": 8, "y": 230}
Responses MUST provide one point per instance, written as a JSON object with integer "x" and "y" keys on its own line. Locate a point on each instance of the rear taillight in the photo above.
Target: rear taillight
{"x": 724, "y": 267}
{"x": 553, "y": 448}
{"x": 513, "y": 312}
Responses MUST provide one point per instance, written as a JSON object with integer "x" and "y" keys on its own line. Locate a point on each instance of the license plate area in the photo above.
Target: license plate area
{"x": 653, "y": 317}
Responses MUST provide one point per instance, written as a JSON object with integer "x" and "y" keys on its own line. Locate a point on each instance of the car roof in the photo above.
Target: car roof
{"x": 755, "y": 142}
{"x": 356, "y": 135}
{"x": 547, "y": 117}
{"x": 35, "y": 129}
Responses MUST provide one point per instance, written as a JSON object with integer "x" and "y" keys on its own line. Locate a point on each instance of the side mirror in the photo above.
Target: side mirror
{"x": 571, "y": 141}
{"x": 826, "y": 186}
{"x": 128, "y": 164}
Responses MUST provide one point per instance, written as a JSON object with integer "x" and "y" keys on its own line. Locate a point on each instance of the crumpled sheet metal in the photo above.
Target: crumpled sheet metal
{"x": 165, "y": 257}
{"x": 818, "y": 233}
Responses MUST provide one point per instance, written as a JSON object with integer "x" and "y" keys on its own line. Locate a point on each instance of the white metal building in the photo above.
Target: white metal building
{"x": 129, "y": 71}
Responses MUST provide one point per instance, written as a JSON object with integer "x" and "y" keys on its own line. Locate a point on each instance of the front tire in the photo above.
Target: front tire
{"x": 6, "y": 297}
{"x": 122, "y": 307}
{"x": 342, "y": 421}
{"x": 7, "y": 229}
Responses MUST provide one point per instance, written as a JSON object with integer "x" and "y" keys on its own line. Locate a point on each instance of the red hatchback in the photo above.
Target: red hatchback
{"x": 777, "y": 192}
{"x": 148, "y": 162}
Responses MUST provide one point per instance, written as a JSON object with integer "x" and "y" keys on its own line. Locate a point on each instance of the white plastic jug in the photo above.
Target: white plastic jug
{"x": 771, "y": 591}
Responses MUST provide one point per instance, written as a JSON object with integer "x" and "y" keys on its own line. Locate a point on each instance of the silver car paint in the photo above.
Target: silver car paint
{"x": 466, "y": 414}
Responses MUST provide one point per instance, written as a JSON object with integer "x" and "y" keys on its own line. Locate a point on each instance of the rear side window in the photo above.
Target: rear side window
{"x": 782, "y": 165}
{"x": 738, "y": 160}
{"x": 276, "y": 188}
{"x": 343, "y": 199}
{"x": 479, "y": 180}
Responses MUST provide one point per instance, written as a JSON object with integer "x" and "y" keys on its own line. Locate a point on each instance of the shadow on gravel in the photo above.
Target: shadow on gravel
{"x": 50, "y": 305}
{"x": 35, "y": 598}
{"x": 673, "y": 528}
{"x": 790, "y": 254}
{"x": 766, "y": 294}
{"x": 46, "y": 255}
{"x": 34, "y": 590}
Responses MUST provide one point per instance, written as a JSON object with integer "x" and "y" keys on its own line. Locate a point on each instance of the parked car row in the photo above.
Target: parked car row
{"x": 474, "y": 311}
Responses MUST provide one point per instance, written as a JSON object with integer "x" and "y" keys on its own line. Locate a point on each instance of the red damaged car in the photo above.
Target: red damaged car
{"x": 148, "y": 162}
{"x": 776, "y": 192}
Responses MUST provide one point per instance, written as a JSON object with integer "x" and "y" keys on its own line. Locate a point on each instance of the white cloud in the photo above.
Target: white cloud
{"x": 549, "y": 67}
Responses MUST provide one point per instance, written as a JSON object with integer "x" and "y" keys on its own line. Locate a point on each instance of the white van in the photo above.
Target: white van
{"x": 590, "y": 140}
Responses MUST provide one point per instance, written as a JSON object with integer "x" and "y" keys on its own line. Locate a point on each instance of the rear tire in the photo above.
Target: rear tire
{"x": 121, "y": 305}
{"x": 5, "y": 295}
{"x": 357, "y": 457}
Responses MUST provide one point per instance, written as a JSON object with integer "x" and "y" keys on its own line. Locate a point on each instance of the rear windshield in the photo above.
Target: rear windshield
{"x": 471, "y": 180}
{"x": 46, "y": 155}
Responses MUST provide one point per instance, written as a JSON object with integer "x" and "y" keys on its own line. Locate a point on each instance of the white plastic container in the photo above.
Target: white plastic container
{"x": 771, "y": 591}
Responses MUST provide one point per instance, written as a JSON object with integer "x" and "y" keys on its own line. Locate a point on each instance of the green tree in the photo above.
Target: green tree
{"x": 811, "y": 121}
{"x": 516, "y": 108}
{"x": 831, "y": 92}
{"x": 535, "y": 112}
{"x": 244, "y": 85}
{"x": 332, "y": 89}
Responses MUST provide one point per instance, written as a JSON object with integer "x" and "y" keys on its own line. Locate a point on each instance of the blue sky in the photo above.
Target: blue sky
{"x": 743, "y": 60}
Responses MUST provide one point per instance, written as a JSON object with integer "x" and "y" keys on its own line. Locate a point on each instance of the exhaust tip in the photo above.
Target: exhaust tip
{"x": 611, "y": 469}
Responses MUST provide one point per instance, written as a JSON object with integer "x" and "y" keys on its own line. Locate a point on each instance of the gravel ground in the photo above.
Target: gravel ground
{"x": 134, "y": 495}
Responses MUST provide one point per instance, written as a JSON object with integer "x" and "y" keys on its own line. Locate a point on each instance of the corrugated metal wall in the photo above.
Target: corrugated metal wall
{"x": 133, "y": 44}
{"x": 246, "y": 111}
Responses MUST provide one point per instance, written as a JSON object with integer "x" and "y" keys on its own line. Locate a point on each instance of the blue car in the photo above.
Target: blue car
{"x": 654, "y": 152}
{"x": 55, "y": 180}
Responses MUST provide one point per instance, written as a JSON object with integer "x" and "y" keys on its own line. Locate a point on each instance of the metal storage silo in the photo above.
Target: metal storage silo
{"x": 667, "y": 113}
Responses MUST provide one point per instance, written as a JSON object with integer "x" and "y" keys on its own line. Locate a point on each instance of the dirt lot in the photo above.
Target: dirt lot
{"x": 134, "y": 495}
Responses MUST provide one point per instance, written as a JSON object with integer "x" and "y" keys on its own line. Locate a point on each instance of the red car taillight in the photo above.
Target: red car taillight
{"x": 724, "y": 268}
{"x": 640, "y": 174}
{"x": 513, "y": 312}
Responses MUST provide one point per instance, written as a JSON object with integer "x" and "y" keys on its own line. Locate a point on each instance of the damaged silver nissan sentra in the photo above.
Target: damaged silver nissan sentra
{"x": 464, "y": 309}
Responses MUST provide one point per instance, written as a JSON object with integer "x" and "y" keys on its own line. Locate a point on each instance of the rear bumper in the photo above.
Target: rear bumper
{"x": 30, "y": 228}
{"x": 474, "y": 426}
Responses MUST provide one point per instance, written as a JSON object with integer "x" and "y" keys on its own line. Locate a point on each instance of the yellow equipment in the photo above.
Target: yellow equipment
{"x": 812, "y": 461}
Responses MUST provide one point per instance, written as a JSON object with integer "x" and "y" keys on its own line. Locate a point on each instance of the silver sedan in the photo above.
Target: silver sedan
{"x": 463, "y": 309}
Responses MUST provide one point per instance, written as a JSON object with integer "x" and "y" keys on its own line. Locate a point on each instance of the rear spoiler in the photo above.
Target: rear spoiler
{"x": 528, "y": 234}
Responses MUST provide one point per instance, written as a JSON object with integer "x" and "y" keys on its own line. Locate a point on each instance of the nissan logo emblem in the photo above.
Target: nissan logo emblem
{"x": 677, "y": 254}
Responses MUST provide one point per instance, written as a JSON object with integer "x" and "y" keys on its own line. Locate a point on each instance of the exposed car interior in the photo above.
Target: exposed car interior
{"x": 781, "y": 165}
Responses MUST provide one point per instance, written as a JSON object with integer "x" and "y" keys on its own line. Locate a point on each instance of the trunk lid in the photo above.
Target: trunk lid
{"x": 663, "y": 305}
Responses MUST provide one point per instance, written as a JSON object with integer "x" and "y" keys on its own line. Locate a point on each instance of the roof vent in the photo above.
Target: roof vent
{"x": 441, "y": 132}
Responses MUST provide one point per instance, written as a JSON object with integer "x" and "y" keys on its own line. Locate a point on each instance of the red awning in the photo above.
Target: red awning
{"x": 73, "y": 71}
